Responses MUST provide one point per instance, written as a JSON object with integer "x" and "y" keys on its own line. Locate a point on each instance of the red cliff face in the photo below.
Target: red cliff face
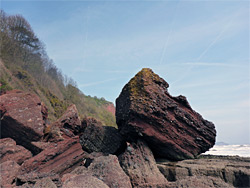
{"x": 168, "y": 124}
{"x": 111, "y": 108}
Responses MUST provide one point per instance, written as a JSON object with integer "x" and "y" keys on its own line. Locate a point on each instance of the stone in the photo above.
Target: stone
{"x": 67, "y": 126}
{"x": 32, "y": 178}
{"x": 139, "y": 164}
{"x": 59, "y": 158}
{"x": 172, "y": 129}
{"x": 231, "y": 170}
{"x": 98, "y": 138}
{"x": 84, "y": 181}
{"x": 8, "y": 171}
{"x": 10, "y": 151}
{"x": 45, "y": 183}
{"x": 23, "y": 117}
{"x": 108, "y": 169}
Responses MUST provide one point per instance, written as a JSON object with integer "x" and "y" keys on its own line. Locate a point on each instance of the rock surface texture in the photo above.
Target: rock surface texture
{"x": 58, "y": 158}
{"x": 67, "y": 126}
{"x": 8, "y": 171}
{"x": 22, "y": 118}
{"x": 168, "y": 124}
{"x": 222, "y": 171}
{"x": 10, "y": 151}
{"x": 139, "y": 164}
{"x": 98, "y": 138}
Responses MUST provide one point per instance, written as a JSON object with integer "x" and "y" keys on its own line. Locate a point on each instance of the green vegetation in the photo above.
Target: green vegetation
{"x": 25, "y": 65}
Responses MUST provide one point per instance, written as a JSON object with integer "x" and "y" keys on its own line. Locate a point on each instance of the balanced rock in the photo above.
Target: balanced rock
{"x": 98, "y": 138}
{"x": 10, "y": 151}
{"x": 23, "y": 118}
{"x": 170, "y": 126}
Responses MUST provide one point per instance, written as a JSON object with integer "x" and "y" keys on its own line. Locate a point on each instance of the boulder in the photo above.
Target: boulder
{"x": 59, "y": 158}
{"x": 8, "y": 171}
{"x": 169, "y": 125}
{"x": 98, "y": 138}
{"x": 139, "y": 164}
{"x": 23, "y": 118}
{"x": 10, "y": 151}
{"x": 67, "y": 126}
{"x": 234, "y": 171}
{"x": 108, "y": 169}
{"x": 83, "y": 181}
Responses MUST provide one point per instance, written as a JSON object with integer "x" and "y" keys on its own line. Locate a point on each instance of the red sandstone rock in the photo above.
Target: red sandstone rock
{"x": 59, "y": 158}
{"x": 10, "y": 151}
{"x": 139, "y": 164}
{"x": 84, "y": 181}
{"x": 67, "y": 126}
{"x": 22, "y": 118}
{"x": 8, "y": 172}
{"x": 170, "y": 126}
{"x": 108, "y": 169}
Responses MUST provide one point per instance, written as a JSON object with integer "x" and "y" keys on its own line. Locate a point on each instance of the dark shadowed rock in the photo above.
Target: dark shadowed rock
{"x": 139, "y": 164}
{"x": 170, "y": 126}
{"x": 22, "y": 118}
{"x": 67, "y": 126}
{"x": 59, "y": 158}
{"x": 235, "y": 171}
{"x": 108, "y": 169}
{"x": 10, "y": 151}
{"x": 8, "y": 172}
{"x": 83, "y": 181}
{"x": 98, "y": 138}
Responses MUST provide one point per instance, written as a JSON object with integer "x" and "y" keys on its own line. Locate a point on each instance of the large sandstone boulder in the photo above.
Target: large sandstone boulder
{"x": 139, "y": 164}
{"x": 10, "y": 151}
{"x": 23, "y": 118}
{"x": 170, "y": 126}
{"x": 59, "y": 158}
{"x": 98, "y": 138}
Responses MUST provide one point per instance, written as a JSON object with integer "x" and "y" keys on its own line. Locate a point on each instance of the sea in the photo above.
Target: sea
{"x": 230, "y": 150}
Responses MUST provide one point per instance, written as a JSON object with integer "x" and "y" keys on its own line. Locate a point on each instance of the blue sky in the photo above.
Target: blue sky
{"x": 201, "y": 48}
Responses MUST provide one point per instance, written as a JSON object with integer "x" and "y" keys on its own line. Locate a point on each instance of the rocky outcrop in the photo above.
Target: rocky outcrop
{"x": 67, "y": 126}
{"x": 98, "y": 138}
{"x": 58, "y": 158}
{"x": 8, "y": 171}
{"x": 139, "y": 164}
{"x": 22, "y": 118}
{"x": 10, "y": 151}
{"x": 172, "y": 129}
{"x": 230, "y": 171}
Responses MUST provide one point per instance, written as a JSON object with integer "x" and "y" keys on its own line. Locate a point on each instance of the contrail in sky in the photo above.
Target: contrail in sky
{"x": 169, "y": 33}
